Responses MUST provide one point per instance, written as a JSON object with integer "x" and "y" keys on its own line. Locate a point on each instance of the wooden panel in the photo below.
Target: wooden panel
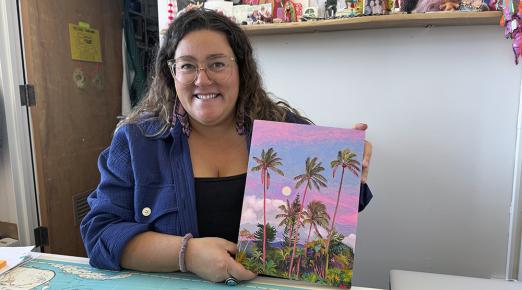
{"x": 382, "y": 21}
{"x": 70, "y": 126}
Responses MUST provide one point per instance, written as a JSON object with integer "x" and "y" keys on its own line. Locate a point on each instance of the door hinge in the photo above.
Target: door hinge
{"x": 27, "y": 96}
{"x": 41, "y": 237}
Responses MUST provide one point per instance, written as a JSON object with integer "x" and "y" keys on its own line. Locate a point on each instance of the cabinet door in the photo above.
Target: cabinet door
{"x": 77, "y": 104}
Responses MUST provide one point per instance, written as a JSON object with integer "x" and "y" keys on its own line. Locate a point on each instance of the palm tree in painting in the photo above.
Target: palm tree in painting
{"x": 345, "y": 160}
{"x": 311, "y": 177}
{"x": 287, "y": 216}
{"x": 266, "y": 163}
{"x": 315, "y": 215}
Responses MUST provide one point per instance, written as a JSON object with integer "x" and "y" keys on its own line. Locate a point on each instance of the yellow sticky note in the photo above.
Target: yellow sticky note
{"x": 3, "y": 263}
{"x": 85, "y": 43}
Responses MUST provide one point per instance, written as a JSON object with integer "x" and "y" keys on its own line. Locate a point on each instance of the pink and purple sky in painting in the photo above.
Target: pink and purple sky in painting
{"x": 293, "y": 144}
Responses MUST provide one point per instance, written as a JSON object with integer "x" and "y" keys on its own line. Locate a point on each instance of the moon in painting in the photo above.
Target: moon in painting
{"x": 286, "y": 191}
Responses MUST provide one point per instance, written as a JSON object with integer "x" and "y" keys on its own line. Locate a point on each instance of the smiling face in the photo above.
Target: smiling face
{"x": 208, "y": 102}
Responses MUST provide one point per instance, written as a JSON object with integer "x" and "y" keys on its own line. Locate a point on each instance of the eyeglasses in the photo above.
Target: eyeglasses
{"x": 186, "y": 72}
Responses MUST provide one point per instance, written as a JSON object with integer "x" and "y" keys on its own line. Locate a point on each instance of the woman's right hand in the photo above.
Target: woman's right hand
{"x": 210, "y": 259}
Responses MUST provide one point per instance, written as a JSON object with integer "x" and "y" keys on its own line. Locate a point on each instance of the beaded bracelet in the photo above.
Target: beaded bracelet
{"x": 184, "y": 241}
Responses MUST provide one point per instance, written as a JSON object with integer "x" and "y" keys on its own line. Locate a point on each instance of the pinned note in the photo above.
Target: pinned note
{"x": 85, "y": 42}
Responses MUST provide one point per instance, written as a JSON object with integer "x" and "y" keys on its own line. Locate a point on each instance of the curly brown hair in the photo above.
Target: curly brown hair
{"x": 160, "y": 98}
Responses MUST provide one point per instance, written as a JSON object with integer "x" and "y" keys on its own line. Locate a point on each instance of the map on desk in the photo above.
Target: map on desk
{"x": 44, "y": 274}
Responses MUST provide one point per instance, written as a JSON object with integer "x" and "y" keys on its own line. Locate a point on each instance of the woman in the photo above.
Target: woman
{"x": 176, "y": 166}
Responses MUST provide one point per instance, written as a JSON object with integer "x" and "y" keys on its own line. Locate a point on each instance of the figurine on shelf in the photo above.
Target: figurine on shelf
{"x": 278, "y": 10}
{"x": 375, "y": 7}
{"x": 298, "y": 9}
{"x": 386, "y": 6}
{"x": 408, "y": 5}
{"x": 351, "y": 9}
{"x": 310, "y": 13}
{"x": 265, "y": 12}
{"x": 449, "y": 5}
{"x": 330, "y": 9}
{"x": 511, "y": 20}
{"x": 254, "y": 17}
{"x": 495, "y": 5}
{"x": 359, "y": 8}
{"x": 473, "y": 6}
{"x": 256, "y": 14}
{"x": 290, "y": 13}
{"x": 427, "y": 6}
{"x": 395, "y": 6}
{"x": 368, "y": 7}
{"x": 378, "y": 7}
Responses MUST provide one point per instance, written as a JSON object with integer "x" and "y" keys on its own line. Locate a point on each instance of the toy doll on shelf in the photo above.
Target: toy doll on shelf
{"x": 401, "y": 6}
{"x": 407, "y": 6}
{"x": 353, "y": 8}
{"x": 309, "y": 13}
{"x": 330, "y": 9}
{"x": 265, "y": 12}
{"x": 495, "y": 5}
{"x": 473, "y": 6}
{"x": 449, "y": 5}
{"x": 378, "y": 7}
{"x": 375, "y": 7}
{"x": 290, "y": 11}
{"x": 424, "y": 6}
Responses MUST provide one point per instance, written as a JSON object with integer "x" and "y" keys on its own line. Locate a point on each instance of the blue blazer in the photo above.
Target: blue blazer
{"x": 146, "y": 184}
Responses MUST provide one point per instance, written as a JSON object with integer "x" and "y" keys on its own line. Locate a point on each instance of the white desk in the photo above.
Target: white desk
{"x": 48, "y": 272}
{"x": 408, "y": 280}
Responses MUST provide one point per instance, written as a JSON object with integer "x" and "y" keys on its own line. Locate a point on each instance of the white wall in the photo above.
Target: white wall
{"x": 441, "y": 104}
{"x": 17, "y": 194}
{"x": 7, "y": 196}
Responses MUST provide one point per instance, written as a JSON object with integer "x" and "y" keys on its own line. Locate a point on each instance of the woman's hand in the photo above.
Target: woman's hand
{"x": 367, "y": 152}
{"x": 210, "y": 259}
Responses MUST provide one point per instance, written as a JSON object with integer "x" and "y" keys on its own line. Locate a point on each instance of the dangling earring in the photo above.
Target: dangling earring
{"x": 240, "y": 118}
{"x": 182, "y": 117}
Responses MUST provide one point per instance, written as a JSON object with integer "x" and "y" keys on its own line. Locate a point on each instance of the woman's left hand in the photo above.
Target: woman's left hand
{"x": 367, "y": 152}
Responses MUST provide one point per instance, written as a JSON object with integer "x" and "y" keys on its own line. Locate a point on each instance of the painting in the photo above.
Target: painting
{"x": 300, "y": 208}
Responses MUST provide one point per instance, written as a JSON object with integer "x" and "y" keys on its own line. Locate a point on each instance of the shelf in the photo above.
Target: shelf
{"x": 377, "y": 22}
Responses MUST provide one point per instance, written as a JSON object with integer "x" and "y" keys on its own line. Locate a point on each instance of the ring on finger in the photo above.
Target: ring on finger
{"x": 231, "y": 281}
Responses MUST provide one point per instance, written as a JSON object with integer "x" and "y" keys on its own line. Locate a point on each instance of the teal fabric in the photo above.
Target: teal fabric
{"x": 136, "y": 74}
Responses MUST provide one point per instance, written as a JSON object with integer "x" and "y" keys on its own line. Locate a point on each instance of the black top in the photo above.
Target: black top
{"x": 218, "y": 202}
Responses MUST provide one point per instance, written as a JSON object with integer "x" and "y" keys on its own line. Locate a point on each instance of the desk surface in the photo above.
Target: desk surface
{"x": 60, "y": 272}
{"x": 408, "y": 280}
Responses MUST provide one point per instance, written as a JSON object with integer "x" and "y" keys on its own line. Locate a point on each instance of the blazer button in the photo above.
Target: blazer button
{"x": 146, "y": 211}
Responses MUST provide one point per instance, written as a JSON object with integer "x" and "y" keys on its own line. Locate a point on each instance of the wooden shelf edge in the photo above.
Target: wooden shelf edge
{"x": 377, "y": 22}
